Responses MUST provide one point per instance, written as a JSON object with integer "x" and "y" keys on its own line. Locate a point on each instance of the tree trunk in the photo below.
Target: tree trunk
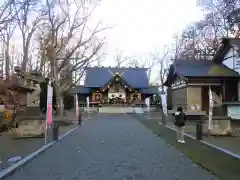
{"x": 59, "y": 102}
{"x": 7, "y": 60}
{"x": 164, "y": 116}
{"x": 25, "y": 58}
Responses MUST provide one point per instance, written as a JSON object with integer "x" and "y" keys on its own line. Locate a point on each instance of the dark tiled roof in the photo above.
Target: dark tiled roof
{"x": 198, "y": 68}
{"x": 151, "y": 90}
{"x": 80, "y": 89}
{"x": 203, "y": 68}
{"x": 98, "y": 77}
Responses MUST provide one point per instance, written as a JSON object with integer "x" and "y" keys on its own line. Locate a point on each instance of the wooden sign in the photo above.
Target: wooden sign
{"x": 178, "y": 84}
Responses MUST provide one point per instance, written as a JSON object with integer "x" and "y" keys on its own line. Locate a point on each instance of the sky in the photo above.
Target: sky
{"x": 143, "y": 25}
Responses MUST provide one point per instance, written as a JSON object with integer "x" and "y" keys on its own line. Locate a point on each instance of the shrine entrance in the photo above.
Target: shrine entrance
{"x": 116, "y": 100}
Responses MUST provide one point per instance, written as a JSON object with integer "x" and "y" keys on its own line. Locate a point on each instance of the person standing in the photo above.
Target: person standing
{"x": 180, "y": 119}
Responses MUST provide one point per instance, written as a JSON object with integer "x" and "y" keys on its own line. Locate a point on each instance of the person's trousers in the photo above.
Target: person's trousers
{"x": 180, "y": 133}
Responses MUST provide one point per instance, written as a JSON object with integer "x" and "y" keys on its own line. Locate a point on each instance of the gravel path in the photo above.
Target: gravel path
{"x": 111, "y": 148}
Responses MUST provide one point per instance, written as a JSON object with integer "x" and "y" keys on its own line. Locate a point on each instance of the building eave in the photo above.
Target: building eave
{"x": 110, "y": 81}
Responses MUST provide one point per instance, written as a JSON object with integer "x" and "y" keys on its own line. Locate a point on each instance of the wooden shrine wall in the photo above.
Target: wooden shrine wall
{"x": 194, "y": 98}
{"x": 179, "y": 98}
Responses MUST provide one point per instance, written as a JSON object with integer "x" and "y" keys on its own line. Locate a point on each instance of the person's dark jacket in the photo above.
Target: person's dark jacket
{"x": 180, "y": 119}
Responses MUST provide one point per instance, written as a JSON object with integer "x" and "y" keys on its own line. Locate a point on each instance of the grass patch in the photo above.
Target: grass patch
{"x": 222, "y": 165}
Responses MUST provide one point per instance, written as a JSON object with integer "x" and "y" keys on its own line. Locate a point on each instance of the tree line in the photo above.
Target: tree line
{"x": 201, "y": 39}
{"x": 56, "y": 37}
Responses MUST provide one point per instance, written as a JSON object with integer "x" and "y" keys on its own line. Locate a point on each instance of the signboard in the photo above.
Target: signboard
{"x": 178, "y": 84}
{"x": 233, "y": 112}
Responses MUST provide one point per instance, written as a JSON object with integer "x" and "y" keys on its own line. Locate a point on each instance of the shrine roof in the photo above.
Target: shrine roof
{"x": 99, "y": 76}
{"x": 80, "y": 89}
{"x": 199, "y": 68}
{"x": 203, "y": 68}
{"x": 85, "y": 90}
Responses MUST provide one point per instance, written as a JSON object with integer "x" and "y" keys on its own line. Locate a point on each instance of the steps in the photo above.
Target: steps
{"x": 116, "y": 110}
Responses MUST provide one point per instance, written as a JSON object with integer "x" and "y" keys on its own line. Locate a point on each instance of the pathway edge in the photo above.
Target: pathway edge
{"x": 15, "y": 166}
{"x": 230, "y": 153}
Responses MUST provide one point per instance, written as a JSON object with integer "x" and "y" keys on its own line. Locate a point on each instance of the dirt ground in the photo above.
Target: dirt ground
{"x": 10, "y": 147}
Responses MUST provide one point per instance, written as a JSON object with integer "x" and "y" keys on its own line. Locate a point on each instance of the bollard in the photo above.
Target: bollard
{"x": 199, "y": 129}
{"x": 164, "y": 119}
{"x": 173, "y": 118}
{"x": 14, "y": 118}
{"x": 80, "y": 119}
{"x": 55, "y": 131}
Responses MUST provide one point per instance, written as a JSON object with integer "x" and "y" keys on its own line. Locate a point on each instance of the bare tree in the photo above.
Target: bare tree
{"x": 68, "y": 32}
{"x": 220, "y": 9}
{"x": 120, "y": 58}
{"x": 198, "y": 41}
{"x": 28, "y": 19}
{"x": 202, "y": 37}
{"x": 101, "y": 58}
{"x": 162, "y": 59}
{"x": 6, "y": 35}
{"x": 7, "y": 27}
{"x": 178, "y": 46}
{"x": 143, "y": 62}
{"x": 6, "y": 13}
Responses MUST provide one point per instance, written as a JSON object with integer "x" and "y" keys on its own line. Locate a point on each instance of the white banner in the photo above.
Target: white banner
{"x": 49, "y": 104}
{"x": 164, "y": 103}
{"x": 76, "y": 105}
{"x": 88, "y": 102}
{"x": 147, "y": 102}
{"x": 49, "y": 118}
{"x": 210, "y": 109}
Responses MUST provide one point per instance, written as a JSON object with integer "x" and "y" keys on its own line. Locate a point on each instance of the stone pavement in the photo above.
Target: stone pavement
{"x": 115, "y": 147}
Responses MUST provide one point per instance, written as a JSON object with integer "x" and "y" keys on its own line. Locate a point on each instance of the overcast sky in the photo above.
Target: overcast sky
{"x": 143, "y": 25}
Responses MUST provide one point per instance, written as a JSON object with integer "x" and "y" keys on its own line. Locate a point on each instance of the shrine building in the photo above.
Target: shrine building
{"x": 112, "y": 85}
{"x": 189, "y": 81}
